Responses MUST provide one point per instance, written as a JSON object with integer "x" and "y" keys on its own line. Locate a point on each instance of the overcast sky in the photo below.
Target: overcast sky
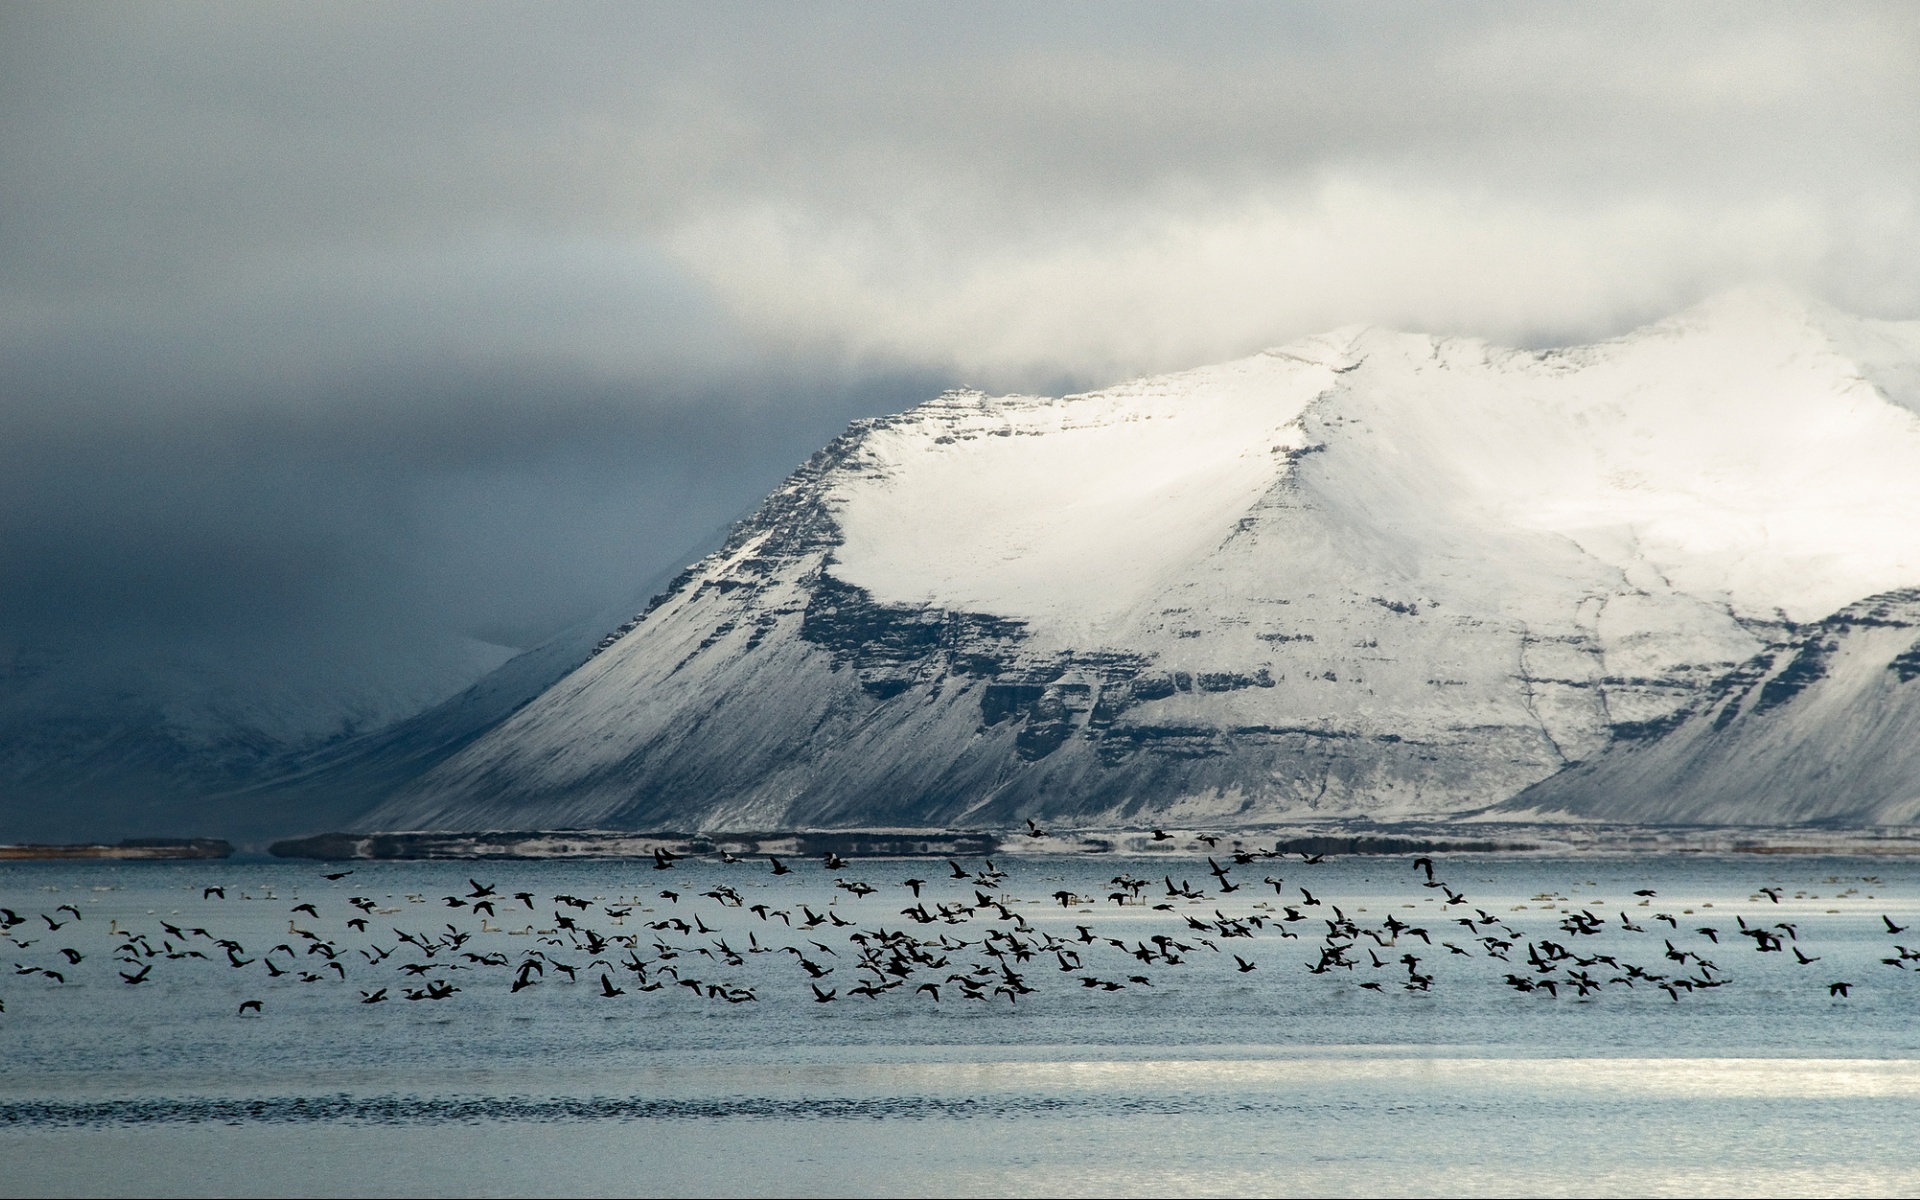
{"x": 346, "y": 322}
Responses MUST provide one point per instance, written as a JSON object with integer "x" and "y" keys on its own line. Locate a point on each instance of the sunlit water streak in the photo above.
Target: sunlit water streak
{"x": 1211, "y": 1080}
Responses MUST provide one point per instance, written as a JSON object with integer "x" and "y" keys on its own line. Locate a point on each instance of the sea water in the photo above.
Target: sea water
{"x": 1189, "y": 1076}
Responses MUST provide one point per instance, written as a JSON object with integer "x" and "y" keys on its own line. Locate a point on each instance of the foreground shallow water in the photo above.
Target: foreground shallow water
{"x": 1177, "y": 1070}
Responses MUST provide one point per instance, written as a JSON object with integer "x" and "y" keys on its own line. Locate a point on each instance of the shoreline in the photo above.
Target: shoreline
{"x": 1480, "y": 838}
{"x": 130, "y": 850}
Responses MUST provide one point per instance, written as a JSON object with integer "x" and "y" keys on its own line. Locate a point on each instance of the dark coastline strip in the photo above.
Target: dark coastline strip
{"x": 418, "y": 1110}
{"x": 550, "y": 844}
{"x": 132, "y": 849}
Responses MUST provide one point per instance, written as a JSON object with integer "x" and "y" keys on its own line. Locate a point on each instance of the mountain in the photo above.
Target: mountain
{"x": 1824, "y": 727}
{"x": 1371, "y": 574}
{"x": 108, "y": 743}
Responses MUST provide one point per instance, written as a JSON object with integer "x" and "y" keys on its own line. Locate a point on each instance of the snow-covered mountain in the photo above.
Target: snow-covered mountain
{"x": 1371, "y": 573}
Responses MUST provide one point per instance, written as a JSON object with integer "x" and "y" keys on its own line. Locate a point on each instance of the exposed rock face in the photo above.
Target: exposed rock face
{"x": 1368, "y": 574}
{"x": 1824, "y": 727}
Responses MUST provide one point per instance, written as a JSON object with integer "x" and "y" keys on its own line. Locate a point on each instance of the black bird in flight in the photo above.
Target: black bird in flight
{"x": 1838, "y": 989}
{"x": 779, "y": 868}
{"x": 248, "y": 1004}
{"x": 213, "y": 891}
{"x": 1891, "y": 927}
{"x": 336, "y": 876}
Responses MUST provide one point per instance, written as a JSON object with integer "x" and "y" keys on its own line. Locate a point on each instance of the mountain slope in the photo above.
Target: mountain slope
{"x": 1824, "y": 728}
{"x": 1371, "y": 573}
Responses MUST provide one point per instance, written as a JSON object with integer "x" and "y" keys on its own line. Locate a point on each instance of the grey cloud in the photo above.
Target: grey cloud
{"x": 352, "y": 324}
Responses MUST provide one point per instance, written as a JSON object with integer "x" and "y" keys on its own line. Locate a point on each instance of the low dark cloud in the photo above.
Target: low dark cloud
{"x": 326, "y": 330}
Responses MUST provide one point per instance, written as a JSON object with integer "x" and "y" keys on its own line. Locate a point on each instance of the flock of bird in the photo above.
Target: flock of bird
{"x": 960, "y": 936}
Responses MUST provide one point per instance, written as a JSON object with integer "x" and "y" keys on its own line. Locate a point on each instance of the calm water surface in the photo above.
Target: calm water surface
{"x": 1196, "y": 1077}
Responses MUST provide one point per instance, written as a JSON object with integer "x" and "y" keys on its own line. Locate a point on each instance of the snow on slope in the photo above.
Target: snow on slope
{"x": 1371, "y": 573}
{"x": 1824, "y": 728}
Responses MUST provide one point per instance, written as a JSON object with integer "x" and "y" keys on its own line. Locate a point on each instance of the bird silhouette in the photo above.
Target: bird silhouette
{"x": 245, "y": 1005}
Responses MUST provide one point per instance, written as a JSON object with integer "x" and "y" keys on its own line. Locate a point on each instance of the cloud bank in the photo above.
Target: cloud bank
{"x": 350, "y": 326}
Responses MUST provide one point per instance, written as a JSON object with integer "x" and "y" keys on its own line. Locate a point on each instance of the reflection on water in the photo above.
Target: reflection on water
{"x": 1196, "y": 1077}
